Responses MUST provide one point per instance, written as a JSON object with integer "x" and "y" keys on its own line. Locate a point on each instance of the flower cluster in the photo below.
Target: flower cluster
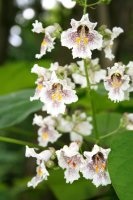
{"x": 93, "y": 166}
{"x": 56, "y": 88}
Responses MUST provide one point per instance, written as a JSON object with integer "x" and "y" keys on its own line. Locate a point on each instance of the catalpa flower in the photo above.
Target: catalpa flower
{"x": 78, "y": 125}
{"x": 95, "y": 73}
{"x": 46, "y": 132}
{"x": 49, "y": 37}
{"x": 108, "y": 40}
{"x": 41, "y": 170}
{"x": 70, "y": 159}
{"x": 43, "y": 75}
{"x": 81, "y": 38}
{"x": 117, "y": 83}
{"x": 56, "y": 94}
{"x": 95, "y": 166}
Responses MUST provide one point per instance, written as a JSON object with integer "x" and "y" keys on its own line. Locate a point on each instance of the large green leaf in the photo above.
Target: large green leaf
{"x": 120, "y": 165}
{"x": 15, "y": 107}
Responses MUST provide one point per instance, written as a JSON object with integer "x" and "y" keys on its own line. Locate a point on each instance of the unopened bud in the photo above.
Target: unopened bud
{"x": 50, "y": 164}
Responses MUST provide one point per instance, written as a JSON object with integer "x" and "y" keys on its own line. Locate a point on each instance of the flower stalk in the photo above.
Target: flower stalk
{"x": 91, "y": 101}
{"x": 85, "y": 7}
{"x": 19, "y": 142}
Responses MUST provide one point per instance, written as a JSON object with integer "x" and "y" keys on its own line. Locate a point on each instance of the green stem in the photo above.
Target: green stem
{"x": 19, "y": 142}
{"x": 91, "y": 101}
{"x": 93, "y": 4}
{"x": 85, "y": 7}
{"x": 110, "y": 134}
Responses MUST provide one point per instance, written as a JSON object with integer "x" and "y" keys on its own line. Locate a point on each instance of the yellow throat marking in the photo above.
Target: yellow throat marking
{"x": 116, "y": 83}
{"x": 40, "y": 86}
{"x": 39, "y": 171}
{"x": 97, "y": 167}
{"x": 45, "y": 136}
{"x": 44, "y": 43}
{"x": 79, "y": 39}
{"x": 57, "y": 96}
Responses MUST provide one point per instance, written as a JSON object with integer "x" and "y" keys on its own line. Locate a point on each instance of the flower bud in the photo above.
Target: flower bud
{"x": 50, "y": 164}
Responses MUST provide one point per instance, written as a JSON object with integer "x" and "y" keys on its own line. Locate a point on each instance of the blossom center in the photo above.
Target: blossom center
{"x": 57, "y": 92}
{"x": 39, "y": 171}
{"x": 82, "y": 35}
{"x": 116, "y": 80}
{"x": 99, "y": 162}
{"x": 44, "y": 43}
{"x": 72, "y": 163}
{"x": 40, "y": 86}
{"x": 40, "y": 83}
{"x": 45, "y": 135}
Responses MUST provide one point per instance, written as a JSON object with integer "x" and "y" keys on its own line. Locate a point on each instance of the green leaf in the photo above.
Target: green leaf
{"x": 81, "y": 189}
{"x": 16, "y": 76}
{"x": 120, "y": 165}
{"x": 16, "y": 107}
{"x": 107, "y": 122}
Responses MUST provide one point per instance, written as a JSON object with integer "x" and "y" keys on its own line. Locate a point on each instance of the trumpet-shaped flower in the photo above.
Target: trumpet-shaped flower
{"x": 46, "y": 45}
{"x": 81, "y": 38}
{"x": 117, "y": 83}
{"x": 46, "y": 132}
{"x": 70, "y": 159}
{"x": 95, "y": 166}
{"x": 41, "y": 170}
{"x": 108, "y": 40}
{"x": 78, "y": 125}
{"x": 49, "y": 37}
{"x": 56, "y": 94}
{"x": 43, "y": 75}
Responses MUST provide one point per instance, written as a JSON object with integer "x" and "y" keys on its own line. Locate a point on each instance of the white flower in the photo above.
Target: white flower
{"x": 44, "y": 155}
{"x": 95, "y": 166}
{"x": 70, "y": 159}
{"x": 49, "y": 37}
{"x": 54, "y": 66}
{"x": 81, "y": 38}
{"x": 41, "y": 175}
{"x": 56, "y": 94}
{"x": 46, "y": 132}
{"x": 46, "y": 45}
{"x": 41, "y": 170}
{"x": 129, "y": 119}
{"x": 117, "y": 83}
{"x": 94, "y": 72}
{"x": 43, "y": 75}
{"x": 78, "y": 126}
{"x": 37, "y": 27}
{"x": 109, "y": 41}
